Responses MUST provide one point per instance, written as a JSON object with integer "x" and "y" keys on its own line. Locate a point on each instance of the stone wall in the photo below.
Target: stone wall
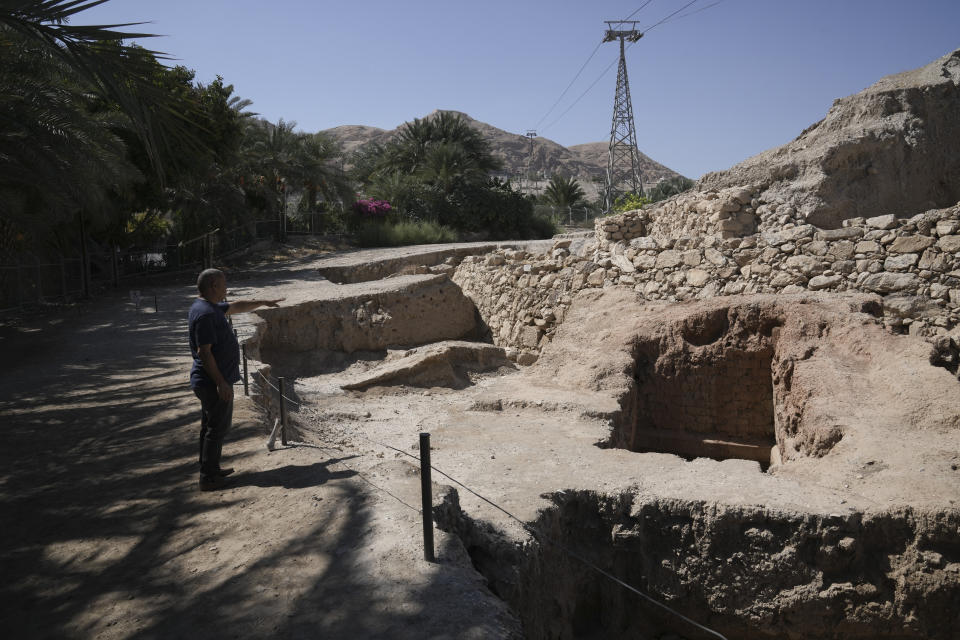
{"x": 727, "y": 213}
{"x": 914, "y": 263}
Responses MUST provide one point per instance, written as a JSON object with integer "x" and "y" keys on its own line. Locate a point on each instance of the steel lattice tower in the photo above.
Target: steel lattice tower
{"x": 623, "y": 160}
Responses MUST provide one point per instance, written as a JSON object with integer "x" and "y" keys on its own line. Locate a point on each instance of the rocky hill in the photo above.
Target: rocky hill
{"x": 583, "y": 161}
{"x": 892, "y": 148}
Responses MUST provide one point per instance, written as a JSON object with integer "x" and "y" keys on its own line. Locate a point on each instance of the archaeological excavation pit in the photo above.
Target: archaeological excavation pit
{"x": 708, "y": 392}
{"x": 796, "y": 386}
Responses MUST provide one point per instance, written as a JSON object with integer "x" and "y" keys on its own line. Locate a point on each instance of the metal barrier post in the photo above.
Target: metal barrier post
{"x": 283, "y": 414}
{"x": 243, "y": 354}
{"x": 19, "y": 285}
{"x": 63, "y": 279}
{"x": 115, "y": 263}
{"x": 156, "y": 309}
{"x": 39, "y": 283}
{"x": 426, "y": 493}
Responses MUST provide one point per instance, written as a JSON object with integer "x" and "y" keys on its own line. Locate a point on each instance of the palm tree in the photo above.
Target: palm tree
{"x": 563, "y": 192}
{"x": 440, "y": 145}
{"x": 73, "y": 99}
{"x": 58, "y": 152}
{"x": 121, "y": 74}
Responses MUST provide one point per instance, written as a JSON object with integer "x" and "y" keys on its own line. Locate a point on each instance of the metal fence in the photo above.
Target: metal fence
{"x": 568, "y": 216}
{"x": 33, "y": 281}
{"x": 39, "y": 282}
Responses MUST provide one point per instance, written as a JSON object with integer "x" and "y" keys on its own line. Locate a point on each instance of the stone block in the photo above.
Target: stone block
{"x": 882, "y": 222}
{"x": 832, "y": 235}
{"x": 885, "y": 282}
{"x": 691, "y": 258}
{"x": 530, "y": 336}
{"x": 596, "y": 277}
{"x": 644, "y": 243}
{"x": 714, "y": 257}
{"x": 645, "y": 262}
{"x": 900, "y": 262}
{"x": 807, "y": 265}
{"x": 668, "y": 259}
{"x": 776, "y": 238}
{"x": 911, "y": 244}
{"x": 824, "y": 282}
{"x": 947, "y": 227}
{"x": 950, "y": 244}
{"x": 933, "y": 260}
{"x": 697, "y": 277}
{"x": 842, "y": 250}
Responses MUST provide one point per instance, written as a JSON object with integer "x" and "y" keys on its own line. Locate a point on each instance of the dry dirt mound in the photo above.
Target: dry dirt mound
{"x": 888, "y": 149}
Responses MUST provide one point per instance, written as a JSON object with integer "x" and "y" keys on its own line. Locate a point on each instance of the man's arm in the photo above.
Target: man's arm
{"x": 242, "y": 306}
{"x": 224, "y": 389}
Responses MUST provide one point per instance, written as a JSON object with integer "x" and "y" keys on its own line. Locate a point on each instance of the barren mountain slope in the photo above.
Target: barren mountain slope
{"x": 584, "y": 161}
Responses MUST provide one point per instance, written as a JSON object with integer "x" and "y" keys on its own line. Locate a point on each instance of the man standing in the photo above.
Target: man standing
{"x": 216, "y": 367}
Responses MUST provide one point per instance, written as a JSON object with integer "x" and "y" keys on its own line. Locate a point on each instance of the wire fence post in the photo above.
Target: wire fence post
{"x": 283, "y": 413}
{"x": 243, "y": 355}
{"x": 115, "y": 264}
{"x": 19, "y": 285}
{"x": 63, "y": 279}
{"x": 84, "y": 259}
{"x": 426, "y": 492}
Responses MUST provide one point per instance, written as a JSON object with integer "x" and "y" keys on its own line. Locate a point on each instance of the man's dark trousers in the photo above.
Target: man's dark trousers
{"x": 214, "y": 424}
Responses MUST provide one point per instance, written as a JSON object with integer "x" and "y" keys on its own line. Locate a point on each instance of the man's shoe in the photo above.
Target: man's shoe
{"x": 223, "y": 473}
{"x": 211, "y": 483}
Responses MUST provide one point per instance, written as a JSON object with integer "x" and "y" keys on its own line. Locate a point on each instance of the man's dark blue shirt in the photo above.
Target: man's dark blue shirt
{"x": 208, "y": 324}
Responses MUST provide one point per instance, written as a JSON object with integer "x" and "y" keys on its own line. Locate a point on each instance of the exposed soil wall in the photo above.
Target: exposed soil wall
{"x": 745, "y": 571}
{"x": 403, "y": 311}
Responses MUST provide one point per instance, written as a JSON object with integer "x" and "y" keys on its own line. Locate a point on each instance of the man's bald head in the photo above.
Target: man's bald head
{"x": 208, "y": 278}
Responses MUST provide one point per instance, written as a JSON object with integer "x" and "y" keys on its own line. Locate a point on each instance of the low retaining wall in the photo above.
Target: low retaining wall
{"x": 914, "y": 263}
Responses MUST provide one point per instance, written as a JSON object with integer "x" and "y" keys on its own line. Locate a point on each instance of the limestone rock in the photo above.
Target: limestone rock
{"x": 885, "y": 282}
{"x": 776, "y": 238}
{"x": 889, "y": 148}
{"x": 697, "y": 277}
{"x": 950, "y": 244}
{"x": 888, "y": 221}
{"x": 911, "y": 244}
{"x": 900, "y": 262}
{"x": 668, "y": 259}
{"x": 824, "y": 282}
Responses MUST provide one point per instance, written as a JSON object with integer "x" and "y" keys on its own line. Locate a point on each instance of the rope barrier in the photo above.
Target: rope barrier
{"x": 539, "y": 535}
{"x": 271, "y": 385}
{"x": 362, "y": 477}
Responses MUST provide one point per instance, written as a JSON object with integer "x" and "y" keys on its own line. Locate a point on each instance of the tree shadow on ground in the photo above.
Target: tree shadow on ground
{"x": 99, "y": 458}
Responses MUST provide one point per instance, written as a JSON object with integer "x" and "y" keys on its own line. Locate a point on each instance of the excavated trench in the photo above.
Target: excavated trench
{"x": 714, "y": 397}
{"x": 716, "y": 382}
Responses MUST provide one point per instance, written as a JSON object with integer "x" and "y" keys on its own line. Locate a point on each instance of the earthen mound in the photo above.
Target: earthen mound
{"x": 888, "y": 149}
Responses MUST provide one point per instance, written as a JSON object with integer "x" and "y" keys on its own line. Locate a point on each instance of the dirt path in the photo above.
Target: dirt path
{"x": 105, "y": 535}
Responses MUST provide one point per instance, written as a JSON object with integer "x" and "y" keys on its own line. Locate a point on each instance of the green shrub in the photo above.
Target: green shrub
{"x": 629, "y": 202}
{"x": 397, "y": 234}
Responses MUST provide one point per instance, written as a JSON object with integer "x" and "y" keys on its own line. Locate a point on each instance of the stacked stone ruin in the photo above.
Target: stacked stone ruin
{"x": 727, "y": 242}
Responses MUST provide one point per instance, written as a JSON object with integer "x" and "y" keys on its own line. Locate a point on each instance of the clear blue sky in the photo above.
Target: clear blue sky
{"x": 709, "y": 89}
